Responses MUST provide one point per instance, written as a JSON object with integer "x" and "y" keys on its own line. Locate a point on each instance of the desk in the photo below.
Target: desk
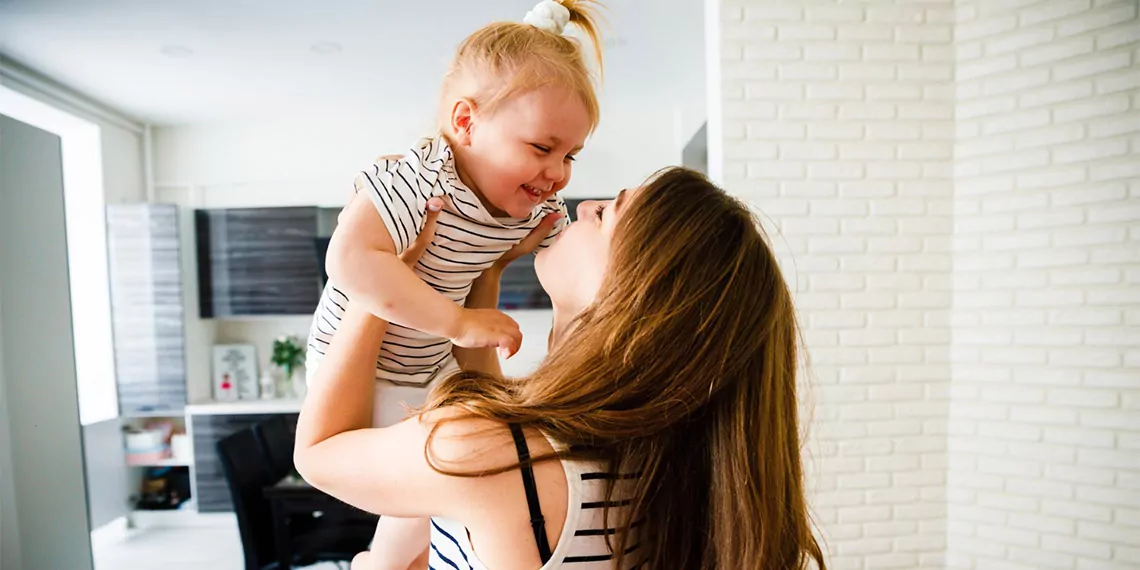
{"x": 293, "y": 498}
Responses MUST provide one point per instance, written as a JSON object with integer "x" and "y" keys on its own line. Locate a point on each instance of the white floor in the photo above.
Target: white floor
{"x": 175, "y": 549}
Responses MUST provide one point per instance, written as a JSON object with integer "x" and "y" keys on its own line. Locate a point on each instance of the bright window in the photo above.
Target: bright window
{"x": 85, "y": 212}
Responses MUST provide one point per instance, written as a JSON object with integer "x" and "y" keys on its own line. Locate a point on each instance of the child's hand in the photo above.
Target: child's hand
{"x": 483, "y": 328}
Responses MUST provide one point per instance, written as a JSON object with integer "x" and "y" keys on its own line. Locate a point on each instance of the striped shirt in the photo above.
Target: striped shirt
{"x": 582, "y": 544}
{"x": 467, "y": 241}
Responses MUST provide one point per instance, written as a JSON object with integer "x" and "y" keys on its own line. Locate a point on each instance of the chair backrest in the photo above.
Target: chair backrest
{"x": 277, "y": 438}
{"x": 247, "y": 474}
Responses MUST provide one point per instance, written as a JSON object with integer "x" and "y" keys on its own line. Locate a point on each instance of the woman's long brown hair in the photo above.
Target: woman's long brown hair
{"x": 683, "y": 371}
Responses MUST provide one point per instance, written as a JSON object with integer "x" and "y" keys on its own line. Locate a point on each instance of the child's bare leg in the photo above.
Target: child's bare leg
{"x": 398, "y": 544}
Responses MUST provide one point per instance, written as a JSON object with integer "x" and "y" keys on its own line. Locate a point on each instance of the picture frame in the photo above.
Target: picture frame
{"x": 235, "y": 374}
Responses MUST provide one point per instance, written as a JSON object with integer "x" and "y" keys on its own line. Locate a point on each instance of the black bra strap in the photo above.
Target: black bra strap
{"x": 537, "y": 522}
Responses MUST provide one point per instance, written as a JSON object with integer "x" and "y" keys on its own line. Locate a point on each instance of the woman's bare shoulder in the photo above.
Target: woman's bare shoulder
{"x": 464, "y": 443}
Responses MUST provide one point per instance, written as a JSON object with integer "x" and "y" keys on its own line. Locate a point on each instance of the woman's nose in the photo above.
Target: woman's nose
{"x": 587, "y": 209}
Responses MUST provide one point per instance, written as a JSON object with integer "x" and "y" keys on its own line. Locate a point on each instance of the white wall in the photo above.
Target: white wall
{"x": 311, "y": 161}
{"x": 1045, "y": 413}
{"x": 123, "y": 181}
{"x": 306, "y": 160}
{"x": 838, "y": 126}
{"x": 972, "y": 329}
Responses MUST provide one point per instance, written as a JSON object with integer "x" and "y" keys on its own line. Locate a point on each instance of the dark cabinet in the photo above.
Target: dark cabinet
{"x": 261, "y": 261}
{"x": 210, "y": 487}
{"x": 270, "y": 261}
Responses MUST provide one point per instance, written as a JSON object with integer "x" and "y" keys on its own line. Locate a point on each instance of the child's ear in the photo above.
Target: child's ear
{"x": 462, "y": 121}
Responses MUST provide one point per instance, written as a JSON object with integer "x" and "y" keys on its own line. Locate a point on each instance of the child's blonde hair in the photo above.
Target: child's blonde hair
{"x": 506, "y": 59}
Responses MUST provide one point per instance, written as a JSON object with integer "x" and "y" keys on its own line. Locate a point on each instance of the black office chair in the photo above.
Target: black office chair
{"x": 248, "y": 473}
{"x": 277, "y": 438}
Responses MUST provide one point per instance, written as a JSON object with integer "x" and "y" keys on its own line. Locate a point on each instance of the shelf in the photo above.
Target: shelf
{"x": 172, "y": 462}
{"x": 155, "y": 414}
{"x": 274, "y": 406}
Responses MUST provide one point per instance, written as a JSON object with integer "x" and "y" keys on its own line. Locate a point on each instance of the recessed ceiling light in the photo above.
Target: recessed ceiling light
{"x": 326, "y": 48}
{"x": 176, "y": 51}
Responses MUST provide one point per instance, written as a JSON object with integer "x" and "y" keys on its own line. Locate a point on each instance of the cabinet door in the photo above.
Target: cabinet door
{"x": 210, "y": 486}
{"x": 146, "y": 307}
{"x": 257, "y": 261}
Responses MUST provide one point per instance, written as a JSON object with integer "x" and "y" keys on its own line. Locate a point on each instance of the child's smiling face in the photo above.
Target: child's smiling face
{"x": 522, "y": 153}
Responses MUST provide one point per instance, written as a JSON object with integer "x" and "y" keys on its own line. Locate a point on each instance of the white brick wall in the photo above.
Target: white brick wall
{"x": 952, "y": 187}
{"x": 839, "y": 127}
{"x": 1044, "y": 450}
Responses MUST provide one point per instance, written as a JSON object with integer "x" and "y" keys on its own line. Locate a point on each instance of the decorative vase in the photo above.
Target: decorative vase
{"x": 268, "y": 384}
{"x": 297, "y": 384}
{"x": 281, "y": 378}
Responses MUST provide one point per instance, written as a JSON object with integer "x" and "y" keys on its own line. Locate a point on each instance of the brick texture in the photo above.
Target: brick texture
{"x": 1043, "y": 462}
{"x": 847, "y": 150}
{"x": 952, "y": 189}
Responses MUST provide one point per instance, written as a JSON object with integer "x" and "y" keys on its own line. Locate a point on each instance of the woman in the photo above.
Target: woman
{"x": 662, "y": 426}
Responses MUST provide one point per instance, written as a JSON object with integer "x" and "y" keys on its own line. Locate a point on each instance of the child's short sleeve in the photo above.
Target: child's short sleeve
{"x": 397, "y": 191}
{"x": 556, "y": 204}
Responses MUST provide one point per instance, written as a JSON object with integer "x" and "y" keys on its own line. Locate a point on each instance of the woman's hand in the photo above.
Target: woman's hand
{"x": 475, "y": 329}
{"x": 484, "y": 292}
{"x": 527, "y": 245}
{"x": 427, "y": 233}
{"x": 530, "y": 242}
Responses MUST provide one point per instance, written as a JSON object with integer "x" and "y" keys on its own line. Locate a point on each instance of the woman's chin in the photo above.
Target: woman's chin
{"x": 540, "y": 259}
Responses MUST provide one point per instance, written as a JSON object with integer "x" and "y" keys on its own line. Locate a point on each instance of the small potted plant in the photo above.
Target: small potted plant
{"x": 288, "y": 356}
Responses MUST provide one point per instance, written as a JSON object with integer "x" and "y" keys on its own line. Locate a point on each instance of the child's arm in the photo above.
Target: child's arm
{"x": 397, "y": 544}
{"x": 362, "y": 259}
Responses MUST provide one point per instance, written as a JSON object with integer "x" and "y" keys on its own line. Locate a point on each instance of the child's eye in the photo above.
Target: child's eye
{"x": 600, "y": 211}
{"x": 571, "y": 158}
{"x": 541, "y": 148}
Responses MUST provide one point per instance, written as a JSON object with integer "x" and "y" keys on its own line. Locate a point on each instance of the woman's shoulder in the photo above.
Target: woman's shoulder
{"x": 501, "y": 513}
{"x": 464, "y": 443}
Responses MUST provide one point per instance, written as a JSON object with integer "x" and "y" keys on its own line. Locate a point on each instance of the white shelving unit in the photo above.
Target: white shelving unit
{"x": 188, "y": 514}
{"x": 172, "y": 462}
{"x": 142, "y": 518}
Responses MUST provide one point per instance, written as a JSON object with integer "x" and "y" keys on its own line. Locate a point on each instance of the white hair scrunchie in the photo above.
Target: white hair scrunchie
{"x": 548, "y": 15}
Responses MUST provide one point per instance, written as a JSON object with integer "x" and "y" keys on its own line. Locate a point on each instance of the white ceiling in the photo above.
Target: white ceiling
{"x": 255, "y": 58}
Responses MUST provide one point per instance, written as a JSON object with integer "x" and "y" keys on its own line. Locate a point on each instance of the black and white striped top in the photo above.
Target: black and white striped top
{"x": 582, "y": 544}
{"x": 467, "y": 241}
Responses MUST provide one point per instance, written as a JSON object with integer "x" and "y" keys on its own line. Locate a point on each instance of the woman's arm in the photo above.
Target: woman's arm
{"x": 341, "y": 400}
{"x": 484, "y": 295}
{"x": 385, "y": 470}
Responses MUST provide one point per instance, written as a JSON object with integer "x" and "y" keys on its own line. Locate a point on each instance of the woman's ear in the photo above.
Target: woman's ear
{"x": 462, "y": 121}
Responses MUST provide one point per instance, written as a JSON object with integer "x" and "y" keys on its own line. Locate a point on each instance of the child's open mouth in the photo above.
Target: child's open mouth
{"x": 534, "y": 192}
